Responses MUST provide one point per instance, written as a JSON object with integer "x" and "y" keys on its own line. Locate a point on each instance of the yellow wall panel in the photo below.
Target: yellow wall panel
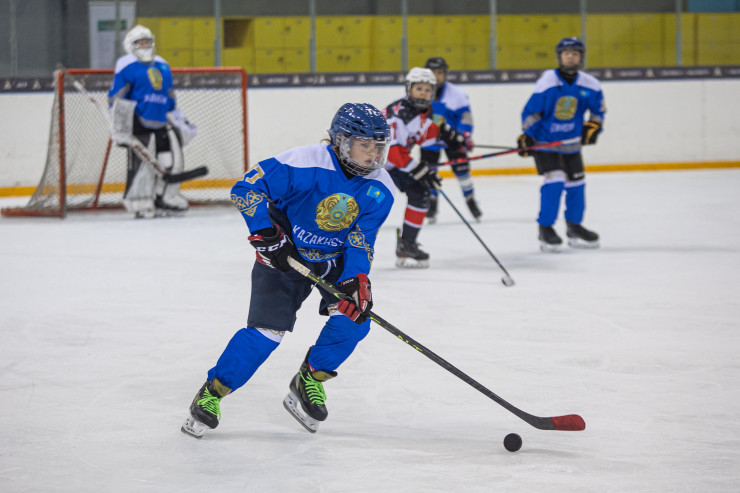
{"x": 476, "y": 30}
{"x": 238, "y": 57}
{"x": 204, "y": 58}
{"x": 357, "y": 31}
{"x": 330, "y": 32}
{"x": 713, "y": 28}
{"x": 387, "y": 32}
{"x": 297, "y": 60}
{"x": 269, "y": 32}
{"x": 297, "y": 32}
{"x": 449, "y": 30}
{"x": 178, "y": 57}
{"x": 385, "y": 59}
{"x": 269, "y": 61}
{"x": 176, "y": 33}
{"x": 422, "y": 30}
{"x": 151, "y": 23}
{"x": 476, "y": 58}
{"x": 204, "y": 33}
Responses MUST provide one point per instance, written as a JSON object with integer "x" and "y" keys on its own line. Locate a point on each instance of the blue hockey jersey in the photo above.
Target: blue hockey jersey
{"x": 149, "y": 84}
{"x": 556, "y": 109}
{"x": 330, "y": 214}
{"x": 453, "y": 104}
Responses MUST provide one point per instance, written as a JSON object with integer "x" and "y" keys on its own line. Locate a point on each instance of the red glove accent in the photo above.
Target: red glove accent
{"x": 359, "y": 298}
{"x": 469, "y": 144}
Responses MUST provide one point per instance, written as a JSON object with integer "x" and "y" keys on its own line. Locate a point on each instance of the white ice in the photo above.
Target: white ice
{"x": 108, "y": 326}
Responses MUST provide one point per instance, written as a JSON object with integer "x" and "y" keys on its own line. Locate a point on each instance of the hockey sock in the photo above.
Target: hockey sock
{"x": 337, "y": 341}
{"x": 466, "y": 184}
{"x": 575, "y": 201}
{"x": 550, "y": 194}
{"x": 246, "y": 352}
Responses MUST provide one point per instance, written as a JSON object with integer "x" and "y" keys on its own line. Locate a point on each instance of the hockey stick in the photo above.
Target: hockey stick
{"x": 510, "y": 150}
{"x": 569, "y": 422}
{"x": 136, "y": 145}
{"x": 507, "y": 279}
{"x": 484, "y": 146}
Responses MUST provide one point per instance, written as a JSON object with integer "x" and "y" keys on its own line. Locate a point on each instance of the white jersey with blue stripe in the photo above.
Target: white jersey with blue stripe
{"x": 330, "y": 215}
{"x": 454, "y": 105}
{"x": 556, "y": 109}
{"x": 149, "y": 84}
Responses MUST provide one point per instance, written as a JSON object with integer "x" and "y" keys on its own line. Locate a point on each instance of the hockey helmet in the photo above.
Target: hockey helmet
{"x": 131, "y": 43}
{"x": 364, "y": 124}
{"x": 418, "y": 75}
{"x": 437, "y": 62}
{"x": 571, "y": 43}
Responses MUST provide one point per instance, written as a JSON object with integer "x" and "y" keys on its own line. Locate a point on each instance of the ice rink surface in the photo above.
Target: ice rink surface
{"x": 109, "y": 325}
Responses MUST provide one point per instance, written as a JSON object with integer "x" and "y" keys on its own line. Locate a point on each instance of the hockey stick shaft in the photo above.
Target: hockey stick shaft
{"x": 507, "y": 280}
{"x": 491, "y": 146}
{"x": 510, "y": 150}
{"x": 136, "y": 145}
{"x": 570, "y": 422}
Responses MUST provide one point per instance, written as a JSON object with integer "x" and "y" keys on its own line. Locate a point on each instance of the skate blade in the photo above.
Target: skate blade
{"x": 431, "y": 220}
{"x": 409, "y": 263}
{"x": 581, "y": 243}
{"x": 148, "y": 214}
{"x": 548, "y": 248}
{"x": 292, "y": 405}
{"x": 194, "y": 428}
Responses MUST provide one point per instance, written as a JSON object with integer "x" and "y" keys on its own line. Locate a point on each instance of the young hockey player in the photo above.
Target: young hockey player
{"x": 412, "y": 123}
{"x": 555, "y": 112}
{"x": 143, "y": 107}
{"x": 453, "y": 104}
{"x": 321, "y": 205}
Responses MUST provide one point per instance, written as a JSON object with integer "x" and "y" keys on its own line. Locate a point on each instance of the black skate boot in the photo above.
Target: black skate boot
{"x": 474, "y": 209}
{"x": 580, "y": 237}
{"x": 409, "y": 255}
{"x": 307, "y": 390}
{"x": 550, "y": 242}
{"x": 205, "y": 411}
{"x": 432, "y": 212}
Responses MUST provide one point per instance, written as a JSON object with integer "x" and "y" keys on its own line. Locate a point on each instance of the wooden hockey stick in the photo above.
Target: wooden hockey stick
{"x": 569, "y": 422}
{"x": 136, "y": 145}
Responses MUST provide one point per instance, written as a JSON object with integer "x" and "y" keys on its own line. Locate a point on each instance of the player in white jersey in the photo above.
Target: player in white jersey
{"x": 412, "y": 123}
{"x": 451, "y": 103}
{"x": 321, "y": 205}
{"x": 143, "y": 107}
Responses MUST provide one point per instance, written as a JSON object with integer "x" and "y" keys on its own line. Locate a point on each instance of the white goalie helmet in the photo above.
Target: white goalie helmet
{"x": 418, "y": 75}
{"x": 132, "y": 43}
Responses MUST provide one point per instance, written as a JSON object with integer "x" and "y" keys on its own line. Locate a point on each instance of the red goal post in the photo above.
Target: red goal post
{"x": 86, "y": 171}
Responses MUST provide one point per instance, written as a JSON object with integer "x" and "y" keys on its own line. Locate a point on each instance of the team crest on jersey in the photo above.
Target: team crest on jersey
{"x": 357, "y": 239}
{"x": 249, "y": 204}
{"x": 155, "y": 78}
{"x": 336, "y": 212}
{"x": 314, "y": 255}
{"x": 565, "y": 108}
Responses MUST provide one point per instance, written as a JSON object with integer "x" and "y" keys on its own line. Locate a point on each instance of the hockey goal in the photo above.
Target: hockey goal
{"x": 86, "y": 171}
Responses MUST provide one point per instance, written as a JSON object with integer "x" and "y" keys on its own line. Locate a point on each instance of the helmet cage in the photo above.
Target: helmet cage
{"x": 130, "y": 43}
{"x": 418, "y": 75}
{"x": 359, "y": 121}
{"x": 571, "y": 43}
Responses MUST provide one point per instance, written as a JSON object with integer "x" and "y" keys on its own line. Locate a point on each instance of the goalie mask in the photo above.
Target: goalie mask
{"x": 418, "y": 75}
{"x": 567, "y": 44}
{"x": 139, "y": 41}
{"x": 360, "y": 135}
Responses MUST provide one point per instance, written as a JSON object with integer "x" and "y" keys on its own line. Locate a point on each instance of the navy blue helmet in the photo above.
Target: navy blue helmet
{"x": 437, "y": 62}
{"x": 360, "y": 134}
{"x": 571, "y": 43}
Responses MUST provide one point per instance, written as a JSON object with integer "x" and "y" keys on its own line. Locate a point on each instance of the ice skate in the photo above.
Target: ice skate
{"x": 306, "y": 398}
{"x": 432, "y": 212}
{"x": 409, "y": 255}
{"x": 205, "y": 411}
{"x": 474, "y": 209}
{"x": 550, "y": 242}
{"x": 174, "y": 205}
{"x": 580, "y": 237}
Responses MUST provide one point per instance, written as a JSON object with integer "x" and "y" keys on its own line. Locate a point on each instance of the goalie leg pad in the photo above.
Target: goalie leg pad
{"x": 139, "y": 195}
{"x": 168, "y": 194}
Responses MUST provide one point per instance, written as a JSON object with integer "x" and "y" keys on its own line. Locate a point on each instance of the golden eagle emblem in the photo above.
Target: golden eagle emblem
{"x": 336, "y": 212}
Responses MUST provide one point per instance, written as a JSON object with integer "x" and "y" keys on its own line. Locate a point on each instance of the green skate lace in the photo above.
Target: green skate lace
{"x": 314, "y": 389}
{"x": 211, "y": 403}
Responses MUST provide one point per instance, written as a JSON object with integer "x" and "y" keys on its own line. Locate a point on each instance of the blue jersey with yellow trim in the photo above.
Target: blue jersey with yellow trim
{"x": 149, "y": 84}
{"x": 453, "y": 104}
{"x": 330, "y": 215}
{"x": 556, "y": 109}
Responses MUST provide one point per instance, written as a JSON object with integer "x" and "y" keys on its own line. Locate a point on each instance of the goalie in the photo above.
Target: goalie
{"x": 143, "y": 108}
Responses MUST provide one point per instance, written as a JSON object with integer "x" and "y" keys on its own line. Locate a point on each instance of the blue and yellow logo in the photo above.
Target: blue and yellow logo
{"x": 565, "y": 108}
{"x": 155, "y": 78}
{"x": 337, "y": 212}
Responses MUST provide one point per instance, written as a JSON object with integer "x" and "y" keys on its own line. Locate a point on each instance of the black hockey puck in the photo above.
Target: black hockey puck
{"x": 513, "y": 442}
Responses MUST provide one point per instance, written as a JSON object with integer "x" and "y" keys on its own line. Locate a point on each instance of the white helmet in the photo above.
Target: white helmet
{"x": 418, "y": 75}
{"x": 137, "y": 33}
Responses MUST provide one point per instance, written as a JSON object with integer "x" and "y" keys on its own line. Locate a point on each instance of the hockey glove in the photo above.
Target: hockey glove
{"x": 273, "y": 248}
{"x": 590, "y": 132}
{"x": 469, "y": 144}
{"x": 360, "y": 299}
{"x": 426, "y": 176}
{"x": 453, "y": 139}
{"x": 523, "y": 143}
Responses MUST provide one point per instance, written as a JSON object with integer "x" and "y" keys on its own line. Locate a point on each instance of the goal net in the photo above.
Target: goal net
{"x": 85, "y": 170}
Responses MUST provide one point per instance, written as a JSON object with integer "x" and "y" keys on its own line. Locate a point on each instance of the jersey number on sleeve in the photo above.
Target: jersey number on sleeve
{"x": 254, "y": 174}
